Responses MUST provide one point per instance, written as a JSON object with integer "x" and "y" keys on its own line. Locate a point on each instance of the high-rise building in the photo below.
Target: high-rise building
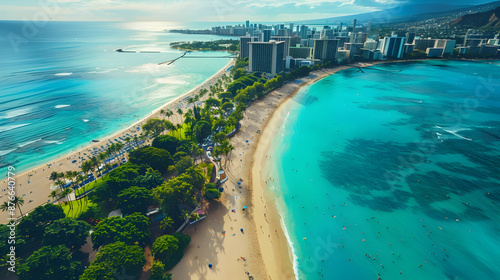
{"x": 266, "y": 57}
{"x": 266, "y": 33}
{"x": 358, "y": 38}
{"x": 354, "y": 48}
{"x": 371, "y": 45}
{"x": 303, "y": 31}
{"x": 247, "y": 24}
{"x": 300, "y": 52}
{"x": 447, "y": 45}
{"x": 422, "y": 44}
{"x": 410, "y": 36}
{"x": 393, "y": 47}
{"x": 325, "y": 49}
{"x": 434, "y": 52}
{"x": 244, "y": 47}
{"x": 285, "y": 39}
{"x": 354, "y": 26}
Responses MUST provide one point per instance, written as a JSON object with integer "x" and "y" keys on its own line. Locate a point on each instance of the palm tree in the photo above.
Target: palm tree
{"x": 167, "y": 223}
{"x": 18, "y": 201}
{"x": 5, "y": 206}
{"x": 4, "y": 263}
{"x": 178, "y": 127}
{"x": 186, "y": 215}
{"x": 180, "y": 112}
{"x": 55, "y": 195}
{"x": 162, "y": 112}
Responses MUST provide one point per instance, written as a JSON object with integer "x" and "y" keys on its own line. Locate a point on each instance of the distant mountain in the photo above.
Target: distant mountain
{"x": 411, "y": 12}
{"x": 391, "y": 14}
{"x": 484, "y": 19}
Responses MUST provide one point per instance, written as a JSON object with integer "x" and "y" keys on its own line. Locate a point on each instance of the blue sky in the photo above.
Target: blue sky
{"x": 197, "y": 10}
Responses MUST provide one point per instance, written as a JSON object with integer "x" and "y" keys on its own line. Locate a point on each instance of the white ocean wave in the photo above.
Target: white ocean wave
{"x": 63, "y": 74}
{"x": 10, "y": 127}
{"x": 85, "y": 120}
{"x": 61, "y": 106}
{"x": 15, "y": 113}
{"x": 4, "y": 152}
{"x": 30, "y": 142}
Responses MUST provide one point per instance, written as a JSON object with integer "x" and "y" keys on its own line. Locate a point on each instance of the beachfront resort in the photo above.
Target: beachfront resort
{"x": 356, "y": 147}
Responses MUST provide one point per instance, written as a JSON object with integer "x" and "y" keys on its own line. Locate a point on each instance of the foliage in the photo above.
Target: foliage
{"x": 158, "y": 272}
{"x": 68, "y": 231}
{"x": 216, "y": 45}
{"x": 151, "y": 179}
{"x": 202, "y": 130}
{"x": 158, "y": 159}
{"x": 134, "y": 199}
{"x": 155, "y": 127}
{"x": 183, "y": 164}
{"x": 33, "y": 226}
{"x": 166, "y": 142}
{"x": 133, "y": 229}
{"x": 48, "y": 263}
{"x": 212, "y": 194}
{"x": 172, "y": 193}
{"x": 170, "y": 248}
{"x": 117, "y": 258}
{"x": 179, "y": 155}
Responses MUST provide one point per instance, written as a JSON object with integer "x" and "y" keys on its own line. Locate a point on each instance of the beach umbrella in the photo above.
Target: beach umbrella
{"x": 239, "y": 183}
{"x": 210, "y": 265}
{"x": 241, "y": 229}
{"x": 234, "y": 210}
{"x": 244, "y": 207}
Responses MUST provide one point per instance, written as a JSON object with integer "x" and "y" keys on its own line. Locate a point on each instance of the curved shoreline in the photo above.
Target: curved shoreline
{"x": 271, "y": 127}
{"x": 34, "y": 182}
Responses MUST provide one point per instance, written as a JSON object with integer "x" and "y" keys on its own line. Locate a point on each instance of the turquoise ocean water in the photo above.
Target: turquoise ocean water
{"x": 62, "y": 84}
{"x": 393, "y": 173}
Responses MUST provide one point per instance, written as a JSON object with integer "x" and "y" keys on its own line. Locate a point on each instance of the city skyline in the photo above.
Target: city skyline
{"x": 218, "y": 10}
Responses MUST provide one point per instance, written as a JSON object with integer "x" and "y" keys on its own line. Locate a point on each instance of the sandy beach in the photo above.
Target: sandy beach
{"x": 34, "y": 184}
{"x": 261, "y": 250}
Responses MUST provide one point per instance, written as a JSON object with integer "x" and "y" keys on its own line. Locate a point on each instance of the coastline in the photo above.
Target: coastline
{"x": 33, "y": 184}
{"x": 278, "y": 266}
{"x": 277, "y": 253}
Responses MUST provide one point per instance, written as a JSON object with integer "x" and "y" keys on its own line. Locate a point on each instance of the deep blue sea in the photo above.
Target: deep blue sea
{"x": 393, "y": 173}
{"x": 62, "y": 84}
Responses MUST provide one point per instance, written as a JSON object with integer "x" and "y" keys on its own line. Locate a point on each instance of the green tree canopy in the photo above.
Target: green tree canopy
{"x": 212, "y": 194}
{"x": 171, "y": 194}
{"x": 68, "y": 231}
{"x": 131, "y": 230}
{"x": 49, "y": 263}
{"x": 227, "y": 106}
{"x": 170, "y": 248}
{"x": 179, "y": 155}
{"x": 158, "y": 271}
{"x": 183, "y": 164}
{"x": 195, "y": 176}
{"x": 166, "y": 142}
{"x": 158, "y": 159}
{"x": 134, "y": 199}
{"x": 117, "y": 258}
{"x": 154, "y": 127}
{"x": 212, "y": 102}
{"x": 202, "y": 129}
{"x": 33, "y": 226}
{"x": 151, "y": 179}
